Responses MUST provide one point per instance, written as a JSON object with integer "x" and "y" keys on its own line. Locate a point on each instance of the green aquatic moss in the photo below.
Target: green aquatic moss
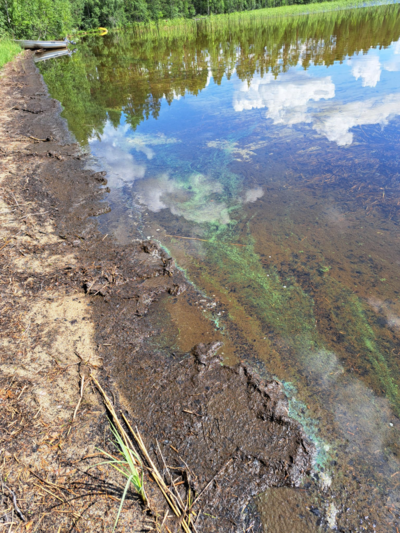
{"x": 262, "y": 294}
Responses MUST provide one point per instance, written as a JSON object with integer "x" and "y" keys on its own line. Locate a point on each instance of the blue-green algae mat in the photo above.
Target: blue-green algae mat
{"x": 266, "y": 159}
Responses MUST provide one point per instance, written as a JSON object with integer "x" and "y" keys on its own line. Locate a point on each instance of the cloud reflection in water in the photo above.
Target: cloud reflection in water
{"x": 287, "y": 98}
{"x": 295, "y": 98}
{"x": 366, "y": 67}
{"x": 363, "y": 417}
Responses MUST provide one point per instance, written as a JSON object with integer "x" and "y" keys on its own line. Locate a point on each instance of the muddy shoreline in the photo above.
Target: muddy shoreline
{"x": 224, "y": 431}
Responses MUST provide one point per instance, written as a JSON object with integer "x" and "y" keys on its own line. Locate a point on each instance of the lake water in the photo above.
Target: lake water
{"x": 266, "y": 159}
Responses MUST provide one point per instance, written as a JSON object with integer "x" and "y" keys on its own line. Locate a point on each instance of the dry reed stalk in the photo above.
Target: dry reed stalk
{"x": 168, "y": 495}
{"x": 188, "y": 238}
{"x": 110, "y": 407}
{"x": 180, "y": 513}
{"x": 197, "y": 239}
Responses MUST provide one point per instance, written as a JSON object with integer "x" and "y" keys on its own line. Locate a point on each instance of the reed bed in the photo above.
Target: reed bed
{"x": 180, "y": 27}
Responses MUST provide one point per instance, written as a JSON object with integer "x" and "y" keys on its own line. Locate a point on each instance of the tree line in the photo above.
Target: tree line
{"x": 41, "y": 19}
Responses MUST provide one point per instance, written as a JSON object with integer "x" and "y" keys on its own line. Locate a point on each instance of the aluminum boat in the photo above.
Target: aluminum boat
{"x": 45, "y": 45}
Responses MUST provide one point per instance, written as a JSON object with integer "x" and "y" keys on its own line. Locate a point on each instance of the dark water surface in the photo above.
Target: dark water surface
{"x": 266, "y": 159}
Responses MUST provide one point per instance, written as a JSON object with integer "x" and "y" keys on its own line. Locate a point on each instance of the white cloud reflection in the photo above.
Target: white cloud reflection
{"x": 114, "y": 148}
{"x": 366, "y": 67}
{"x": 197, "y": 199}
{"x": 369, "y": 68}
{"x": 120, "y": 166}
{"x": 393, "y": 65}
{"x": 286, "y": 98}
{"x": 391, "y": 311}
{"x": 295, "y": 97}
{"x": 334, "y": 121}
{"x": 252, "y": 195}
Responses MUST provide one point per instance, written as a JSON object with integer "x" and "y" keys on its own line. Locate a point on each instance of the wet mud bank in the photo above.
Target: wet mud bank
{"x": 224, "y": 433}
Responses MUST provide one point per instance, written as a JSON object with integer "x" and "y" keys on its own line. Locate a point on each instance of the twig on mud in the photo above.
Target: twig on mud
{"x": 49, "y": 492}
{"x": 192, "y": 413}
{"x": 188, "y": 238}
{"x": 177, "y": 496}
{"x": 210, "y": 482}
{"x": 80, "y": 399}
{"x": 39, "y": 140}
{"x": 4, "y": 245}
{"x": 14, "y": 499}
{"x": 102, "y": 287}
{"x": 90, "y": 286}
{"x": 180, "y": 513}
{"x": 9, "y": 240}
{"x": 48, "y": 482}
{"x": 24, "y": 333}
{"x": 197, "y": 517}
{"x": 16, "y": 201}
{"x": 168, "y": 495}
{"x": 20, "y": 394}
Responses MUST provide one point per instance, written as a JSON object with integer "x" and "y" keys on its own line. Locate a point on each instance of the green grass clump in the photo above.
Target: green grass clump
{"x": 129, "y": 466}
{"x": 8, "y": 50}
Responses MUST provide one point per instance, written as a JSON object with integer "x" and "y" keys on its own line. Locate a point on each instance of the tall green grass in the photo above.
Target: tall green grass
{"x": 8, "y": 50}
{"x": 183, "y": 26}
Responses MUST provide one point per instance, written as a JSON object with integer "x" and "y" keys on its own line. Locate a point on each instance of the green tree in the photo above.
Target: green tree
{"x": 38, "y": 19}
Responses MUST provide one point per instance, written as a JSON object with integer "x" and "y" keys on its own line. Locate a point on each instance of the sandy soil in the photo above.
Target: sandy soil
{"x": 47, "y": 344}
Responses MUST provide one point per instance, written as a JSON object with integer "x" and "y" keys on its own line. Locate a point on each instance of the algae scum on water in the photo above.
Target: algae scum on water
{"x": 264, "y": 157}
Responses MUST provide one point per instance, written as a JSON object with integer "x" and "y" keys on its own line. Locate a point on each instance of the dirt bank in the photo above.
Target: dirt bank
{"x": 74, "y": 304}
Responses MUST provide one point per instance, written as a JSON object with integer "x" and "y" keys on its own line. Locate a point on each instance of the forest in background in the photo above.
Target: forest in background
{"x": 148, "y": 69}
{"x": 49, "y": 19}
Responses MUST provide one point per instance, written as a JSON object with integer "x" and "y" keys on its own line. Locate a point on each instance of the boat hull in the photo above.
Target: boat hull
{"x": 51, "y": 54}
{"x": 45, "y": 45}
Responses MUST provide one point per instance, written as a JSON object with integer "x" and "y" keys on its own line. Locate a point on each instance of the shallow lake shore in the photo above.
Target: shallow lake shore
{"x": 74, "y": 305}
